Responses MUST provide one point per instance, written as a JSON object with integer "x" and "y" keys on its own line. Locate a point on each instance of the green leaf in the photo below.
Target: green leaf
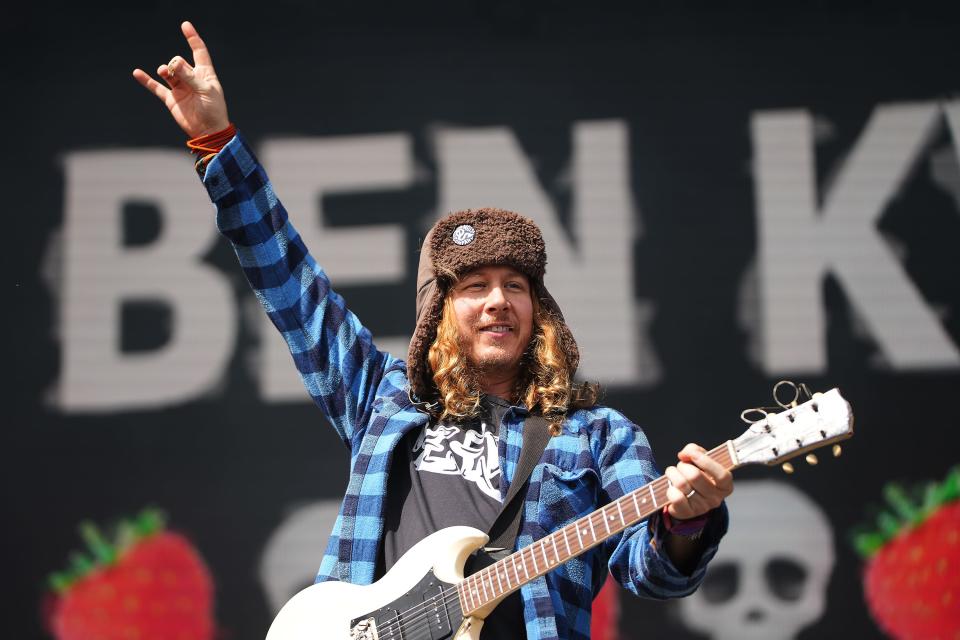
{"x": 149, "y": 522}
{"x": 60, "y": 581}
{"x": 930, "y": 496}
{"x": 951, "y": 485}
{"x": 888, "y": 524}
{"x": 103, "y": 551}
{"x": 80, "y": 564}
{"x": 868, "y": 543}
{"x": 904, "y": 507}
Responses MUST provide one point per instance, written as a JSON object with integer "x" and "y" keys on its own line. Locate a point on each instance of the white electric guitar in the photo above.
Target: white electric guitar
{"x": 425, "y": 596}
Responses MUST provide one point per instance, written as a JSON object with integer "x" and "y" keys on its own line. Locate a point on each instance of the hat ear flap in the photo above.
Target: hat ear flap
{"x": 564, "y": 335}
{"x": 429, "y": 311}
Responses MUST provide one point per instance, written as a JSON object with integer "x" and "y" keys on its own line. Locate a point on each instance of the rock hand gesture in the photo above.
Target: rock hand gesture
{"x": 192, "y": 94}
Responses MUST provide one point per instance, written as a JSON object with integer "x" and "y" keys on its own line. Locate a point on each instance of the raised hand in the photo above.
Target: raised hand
{"x": 698, "y": 483}
{"x": 192, "y": 94}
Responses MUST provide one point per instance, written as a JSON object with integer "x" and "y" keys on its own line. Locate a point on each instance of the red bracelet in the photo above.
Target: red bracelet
{"x": 212, "y": 142}
{"x": 691, "y": 528}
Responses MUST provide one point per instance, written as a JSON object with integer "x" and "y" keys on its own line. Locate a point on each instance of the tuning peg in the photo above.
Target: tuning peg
{"x": 837, "y": 450}
{"x": 787, "y": 467}
{"x": 811, "y": 459}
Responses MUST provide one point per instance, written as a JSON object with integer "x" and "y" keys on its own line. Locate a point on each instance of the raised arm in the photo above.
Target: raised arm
{"x": 333, "y": 352}
{"x": 192, "y": 94}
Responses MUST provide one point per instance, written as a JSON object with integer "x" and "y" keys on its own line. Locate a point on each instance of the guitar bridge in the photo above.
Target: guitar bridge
{"x": 365, "y": 629}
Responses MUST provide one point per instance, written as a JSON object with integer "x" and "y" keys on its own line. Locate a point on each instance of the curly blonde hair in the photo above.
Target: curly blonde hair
{"x": 544, "y": 384}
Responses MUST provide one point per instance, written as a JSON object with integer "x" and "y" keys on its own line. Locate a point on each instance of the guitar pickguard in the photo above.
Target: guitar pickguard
{"x": 430, "y": 610}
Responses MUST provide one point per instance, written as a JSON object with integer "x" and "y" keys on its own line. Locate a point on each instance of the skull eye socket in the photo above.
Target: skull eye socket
{"x": 786, "y": 578}
{"x": 721, "y": 582}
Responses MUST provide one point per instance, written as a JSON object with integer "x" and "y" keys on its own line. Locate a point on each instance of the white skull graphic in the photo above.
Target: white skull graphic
{"x": 769, "y": 578}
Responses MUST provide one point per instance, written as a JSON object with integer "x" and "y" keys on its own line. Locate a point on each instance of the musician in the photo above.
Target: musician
{"x": 434, "y": 441}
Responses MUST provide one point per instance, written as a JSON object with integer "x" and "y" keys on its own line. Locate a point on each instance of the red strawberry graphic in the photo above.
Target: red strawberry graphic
{"x": 152, "y": 585}
{"x": 912, "y": 577}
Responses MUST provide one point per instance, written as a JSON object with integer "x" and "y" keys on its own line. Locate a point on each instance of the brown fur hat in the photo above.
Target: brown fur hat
{"x": 463, "y": 241}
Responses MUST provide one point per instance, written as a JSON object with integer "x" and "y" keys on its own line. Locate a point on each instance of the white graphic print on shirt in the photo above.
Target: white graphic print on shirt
{"x": 475, "y": 459}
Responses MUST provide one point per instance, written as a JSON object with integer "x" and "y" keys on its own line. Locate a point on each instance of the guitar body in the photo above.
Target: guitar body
{"x": 336, "y": 610}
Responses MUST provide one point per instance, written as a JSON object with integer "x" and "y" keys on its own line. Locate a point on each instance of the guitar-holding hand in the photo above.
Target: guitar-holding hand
{"x": 696, "y": 472}
{"x": 192, "y": 94}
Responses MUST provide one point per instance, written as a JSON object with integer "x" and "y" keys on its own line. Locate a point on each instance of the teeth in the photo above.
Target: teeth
{"x": 498, "y": 328}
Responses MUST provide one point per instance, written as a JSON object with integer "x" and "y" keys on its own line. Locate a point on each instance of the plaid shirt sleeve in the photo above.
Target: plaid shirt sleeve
{"x": 638, "y": 560}
{"x": 335, "y": 355}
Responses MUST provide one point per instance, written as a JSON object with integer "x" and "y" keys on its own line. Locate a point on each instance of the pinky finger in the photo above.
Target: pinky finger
{"x": 150, "y": 84}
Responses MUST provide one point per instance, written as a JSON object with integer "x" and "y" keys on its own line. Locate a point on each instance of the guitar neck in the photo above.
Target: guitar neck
{"x": 509, "y": 574}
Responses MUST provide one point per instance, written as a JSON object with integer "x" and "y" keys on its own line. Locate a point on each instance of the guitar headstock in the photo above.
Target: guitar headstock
{"x": 824, "y": 419}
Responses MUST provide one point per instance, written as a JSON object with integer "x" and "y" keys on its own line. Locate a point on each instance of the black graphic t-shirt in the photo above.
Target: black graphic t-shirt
{"x": 447, "y": 475}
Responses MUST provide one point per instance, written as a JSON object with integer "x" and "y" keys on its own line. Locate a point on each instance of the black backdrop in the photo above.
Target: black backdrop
{"x": 683, "y": 79}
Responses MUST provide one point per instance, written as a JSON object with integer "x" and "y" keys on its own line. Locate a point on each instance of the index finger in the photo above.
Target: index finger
{"x": 697, "y": 455}
{"x": 200, "y": 53}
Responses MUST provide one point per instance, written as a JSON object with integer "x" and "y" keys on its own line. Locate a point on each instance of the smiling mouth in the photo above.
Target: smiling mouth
{"x": 496, "y": 328}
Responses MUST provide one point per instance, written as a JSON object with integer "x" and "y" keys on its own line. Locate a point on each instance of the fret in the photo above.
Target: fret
{"x": 506, "y": 575}
{"x": 565, "y": 542}
{"x": 485, "y": 594}
{"x": 533, "y": 556}
{"x": 553, "y": 541}
{"x": 606, "y": 523}
{"x": 577, "y": 527}
{"x": 653, "y": 496}
{"x": 474, "y": 594}
{"x": 636, "y": 505}
{"x": 623, "y": 520}
{"x": 490, "y": 580}
{"x": 517, "y": 573}
{"x": 523, "y": 564}
{"x": 664, "y": 483}
{"x": 463, "y": 595}
{"x": 543, "y": 550}
{"x": 592, "y": 531}
{"x": 732, "y": 453}
{"x": 499, "y": 584}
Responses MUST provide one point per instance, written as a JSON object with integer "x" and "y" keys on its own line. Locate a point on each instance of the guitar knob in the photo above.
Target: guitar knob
{"x": 837, "y": 450}
{"x": 811, "y": 459}
{"x": 787, "y": 467}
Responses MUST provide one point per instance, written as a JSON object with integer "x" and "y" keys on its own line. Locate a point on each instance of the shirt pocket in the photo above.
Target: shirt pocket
{"x": 566, "y": 495}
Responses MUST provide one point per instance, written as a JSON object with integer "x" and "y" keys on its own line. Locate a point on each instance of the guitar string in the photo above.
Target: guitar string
{"x": 418, "y": 614}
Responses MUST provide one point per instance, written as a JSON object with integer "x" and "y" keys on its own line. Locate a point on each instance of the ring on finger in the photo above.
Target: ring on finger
{"x": 692, "y": 493}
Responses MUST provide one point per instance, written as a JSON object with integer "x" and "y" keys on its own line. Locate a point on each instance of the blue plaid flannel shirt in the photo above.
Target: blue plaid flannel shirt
{"x": 599, "y": 456}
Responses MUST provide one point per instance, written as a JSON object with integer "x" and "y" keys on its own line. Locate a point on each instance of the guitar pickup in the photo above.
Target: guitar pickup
{"x": 422, "y": 612}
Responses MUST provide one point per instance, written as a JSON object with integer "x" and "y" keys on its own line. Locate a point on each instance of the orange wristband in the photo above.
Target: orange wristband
{"x": 212, "y": 142}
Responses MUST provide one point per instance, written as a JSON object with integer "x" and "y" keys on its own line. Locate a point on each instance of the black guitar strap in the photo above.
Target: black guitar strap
{"x": 503, "y": 533}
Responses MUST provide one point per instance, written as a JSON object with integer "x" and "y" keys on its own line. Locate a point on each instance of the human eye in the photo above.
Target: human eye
{"x": 517, "y": 285}
{"x": 474, "y": 285}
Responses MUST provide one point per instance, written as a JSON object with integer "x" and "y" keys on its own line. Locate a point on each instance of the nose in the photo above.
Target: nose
{"x": 496, "y": 300}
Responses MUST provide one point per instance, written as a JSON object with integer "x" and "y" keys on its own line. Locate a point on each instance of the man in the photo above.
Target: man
{"x": 435, "y": 441}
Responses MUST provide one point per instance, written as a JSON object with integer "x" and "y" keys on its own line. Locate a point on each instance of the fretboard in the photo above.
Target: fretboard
{"x": 549, "y": 552}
